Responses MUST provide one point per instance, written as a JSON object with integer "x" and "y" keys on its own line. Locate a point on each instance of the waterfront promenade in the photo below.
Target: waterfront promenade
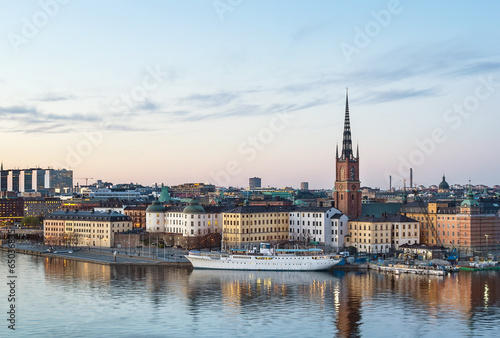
{"x": 170, "y": 256}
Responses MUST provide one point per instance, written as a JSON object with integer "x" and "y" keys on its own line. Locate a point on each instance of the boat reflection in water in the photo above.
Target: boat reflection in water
{"x": 180, "y": 302}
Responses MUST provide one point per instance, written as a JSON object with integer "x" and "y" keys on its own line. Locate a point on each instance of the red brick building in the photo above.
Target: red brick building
{"x": 347, "y": 191}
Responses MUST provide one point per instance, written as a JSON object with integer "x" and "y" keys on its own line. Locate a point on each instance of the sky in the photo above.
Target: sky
{"x": 218, "y": 91}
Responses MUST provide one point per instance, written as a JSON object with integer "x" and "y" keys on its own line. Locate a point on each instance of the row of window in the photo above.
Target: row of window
{"x": 252, "y": 230}
{"x": 315, "y": 223}
{"x": 259, "y": 238}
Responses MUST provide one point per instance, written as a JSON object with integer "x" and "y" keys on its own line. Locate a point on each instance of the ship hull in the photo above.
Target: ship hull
{"x": 269, "y": 263}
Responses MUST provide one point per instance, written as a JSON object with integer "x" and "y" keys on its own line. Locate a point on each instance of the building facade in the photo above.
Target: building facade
{"x": 192, "y": 220}
{"x": 11, "y": 210}
{"x": 254, "y": 182}
{"x": 36, "y": 179}
{"x": 371, "y": 234}
{"x": 247, "y": 226}
{"x": 84, "y": 228}
{"x": 191, "y": 189}
{"x": 40, "y": 207}
{"x": 325, "y": 225}
{"x": 470, "y": 228}
{"x": 138, "y": 215}
{"x": 347, "y": 190}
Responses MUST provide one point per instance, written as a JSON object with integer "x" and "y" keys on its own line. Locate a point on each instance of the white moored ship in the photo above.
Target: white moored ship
{"x": 266, "y": 259}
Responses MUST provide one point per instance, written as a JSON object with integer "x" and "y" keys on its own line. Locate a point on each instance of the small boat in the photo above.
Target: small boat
{"x": 265, "y": 259}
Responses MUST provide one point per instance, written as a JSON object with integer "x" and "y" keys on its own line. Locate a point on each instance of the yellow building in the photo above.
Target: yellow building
{"x": 427, "y": 215}
{"x": 84, "y": 228}
{"x": 382, "y": 234}
{"x": 247, "y": 226}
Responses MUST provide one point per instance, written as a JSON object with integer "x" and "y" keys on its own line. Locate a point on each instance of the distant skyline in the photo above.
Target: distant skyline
{"x": 221, "y": 91}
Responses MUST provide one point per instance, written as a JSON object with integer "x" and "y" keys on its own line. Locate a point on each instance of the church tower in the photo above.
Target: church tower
{"x": 347, "y": 190}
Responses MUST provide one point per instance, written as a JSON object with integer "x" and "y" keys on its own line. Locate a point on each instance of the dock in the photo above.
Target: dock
{"x": 102, "y": 257}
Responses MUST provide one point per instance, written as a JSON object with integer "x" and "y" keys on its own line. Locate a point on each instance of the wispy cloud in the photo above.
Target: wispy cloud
{"x": 395, "y": 95}
{"x": 32, "y": 120}
{"x": 479, "y": 67}
{"x": 209, "y": 100}
{"x": 54, "y": 97}
{"x": 13, "y": 110}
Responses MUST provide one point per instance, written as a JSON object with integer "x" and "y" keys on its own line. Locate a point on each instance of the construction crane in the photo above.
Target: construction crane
{"x": 86, "y": 179}
{"x": 425, "y": 212}
{"x": 451, "y": 256}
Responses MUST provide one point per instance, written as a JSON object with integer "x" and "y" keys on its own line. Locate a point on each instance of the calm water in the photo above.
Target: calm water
{"x": 63, "y": 298}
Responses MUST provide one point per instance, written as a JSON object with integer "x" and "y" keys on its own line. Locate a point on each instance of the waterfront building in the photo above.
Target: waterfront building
{"x": 426, "y": 214}
{"x": 472, "y": 226}
{"x": 347, "y": 190}
{"x": 471, "y": 229}
{"x": 324, "y": 225}
{"x": 254, "y": 183}
{"x": 84, "y": 228}
{"x": 155, "y": 217}
{"x": 192, "y": 220}
{"x": 247, "y": 226}
{"x": 372, "y": 234}
{"x": 36, "y": 179}
{"x": 304, "y": 186}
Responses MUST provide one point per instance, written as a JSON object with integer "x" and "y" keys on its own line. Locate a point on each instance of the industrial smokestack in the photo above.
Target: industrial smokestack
{"x": 411, "y": 178}
{"x": 390, "y": 182}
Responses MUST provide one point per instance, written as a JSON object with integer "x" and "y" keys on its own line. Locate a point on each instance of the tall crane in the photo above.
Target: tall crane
{"x": 85, "y": 178}
{"x": 425, "y": 212}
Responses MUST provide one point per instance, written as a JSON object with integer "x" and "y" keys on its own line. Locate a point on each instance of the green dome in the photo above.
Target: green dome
{"x": 193, "y": 208}
{"x": 156, "y": 207}
{"x": 469, "y": 202}
{"x": 444, "y": 185}
{"x": 165, "y": 195}
{"x": 300, "y": 202}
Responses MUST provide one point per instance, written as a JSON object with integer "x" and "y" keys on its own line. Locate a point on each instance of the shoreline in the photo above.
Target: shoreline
{"x": 102, "y": 258}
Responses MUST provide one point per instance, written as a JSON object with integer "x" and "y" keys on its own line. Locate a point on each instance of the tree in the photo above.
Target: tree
{"x": 31, "y": 221}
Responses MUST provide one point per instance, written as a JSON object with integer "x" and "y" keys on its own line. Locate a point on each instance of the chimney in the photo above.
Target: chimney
{"x": 411, "y": 178}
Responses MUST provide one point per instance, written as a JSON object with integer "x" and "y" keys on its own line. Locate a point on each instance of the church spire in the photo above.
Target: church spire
{"x": 337, "y": 150}
{"x": 346, "y": 142}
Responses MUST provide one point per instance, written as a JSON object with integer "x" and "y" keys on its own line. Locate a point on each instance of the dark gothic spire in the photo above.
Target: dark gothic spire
{"x": 346, "y": 142}
{"x": 337, "y": 151}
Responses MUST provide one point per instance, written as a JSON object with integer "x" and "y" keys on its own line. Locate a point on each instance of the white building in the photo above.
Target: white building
{"x": 155, "y": 217}
{"x": 325, "y": 225}
{"x": 191, "y": 220}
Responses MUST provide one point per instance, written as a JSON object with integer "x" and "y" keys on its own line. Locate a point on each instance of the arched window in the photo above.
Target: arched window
{"x": 353, "y": 174}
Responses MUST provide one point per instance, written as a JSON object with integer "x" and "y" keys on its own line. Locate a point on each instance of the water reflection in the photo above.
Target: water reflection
{"x": 157, "y": 300}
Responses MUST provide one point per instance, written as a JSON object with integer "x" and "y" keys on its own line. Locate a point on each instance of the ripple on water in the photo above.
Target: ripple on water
{"x": 64, "y": 298}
